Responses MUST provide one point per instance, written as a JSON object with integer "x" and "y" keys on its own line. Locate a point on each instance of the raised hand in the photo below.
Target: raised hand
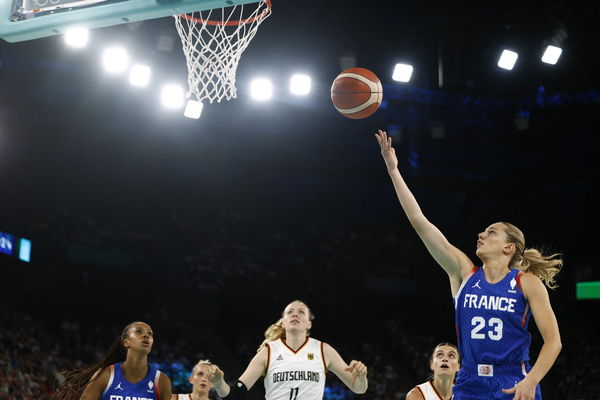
{"x": 215, "y": 375}
{"x": 357, "y": 369}
{"x": 387, "y": 151}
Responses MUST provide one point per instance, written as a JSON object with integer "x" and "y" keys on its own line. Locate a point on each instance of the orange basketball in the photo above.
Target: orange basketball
{"x": 356, "y": 93}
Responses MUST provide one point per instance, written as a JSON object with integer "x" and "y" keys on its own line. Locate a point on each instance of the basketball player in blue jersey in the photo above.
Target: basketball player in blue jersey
{"x": 110, "y": 379}
{"x": 493, "y": 302}
{"x": 445, "y": 363}
{"x": 294, "y": 364}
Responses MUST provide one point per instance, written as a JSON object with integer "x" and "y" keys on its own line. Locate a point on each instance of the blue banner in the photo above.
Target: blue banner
{"x": 8, "y": 244}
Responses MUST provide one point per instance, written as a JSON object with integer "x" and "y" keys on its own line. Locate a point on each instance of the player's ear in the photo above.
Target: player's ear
{"x": 309, "y": 324}
{"x": 509, "y": 248}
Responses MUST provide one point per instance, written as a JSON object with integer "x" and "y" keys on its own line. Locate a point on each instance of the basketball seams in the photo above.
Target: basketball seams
{"x": 356, "y": 93}
{"x": 372, "y": 100}
{"x": 372, "y": 85}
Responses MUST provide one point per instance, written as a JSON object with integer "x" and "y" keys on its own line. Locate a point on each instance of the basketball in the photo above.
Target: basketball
{"x": 356, "y": 93}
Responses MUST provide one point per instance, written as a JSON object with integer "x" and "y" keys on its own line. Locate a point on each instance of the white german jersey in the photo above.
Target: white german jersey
{"x": 295, "y": 375}
{"x": 429, "y": 392}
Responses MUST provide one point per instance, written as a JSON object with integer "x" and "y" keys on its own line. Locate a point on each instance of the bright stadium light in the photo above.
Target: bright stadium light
{"x": 139, "y": 75}
{"x": 551, "y": 55}
{"x": 261, "y": 89}
{"x": 508, "y": 59}
{"x": 300, "y": 84}
{"x": 172, "y": 96}
{"x": 402, "y": 72}
{"x": 193, "y": 109}
{"x": 115, "y": 60}
{"x": 77, "y": 37}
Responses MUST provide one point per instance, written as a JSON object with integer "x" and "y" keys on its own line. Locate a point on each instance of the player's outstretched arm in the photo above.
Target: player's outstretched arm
{"x": 537, "y": 297}
{"x": 354, "y": 375}
{"x": 256, "y": 368}
{"x": 456, "y": 264}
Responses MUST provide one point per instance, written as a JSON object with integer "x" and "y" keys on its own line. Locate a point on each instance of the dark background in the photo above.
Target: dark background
{"x": 207, "y": 228}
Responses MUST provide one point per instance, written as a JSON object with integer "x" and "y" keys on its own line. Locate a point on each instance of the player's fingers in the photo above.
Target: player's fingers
{"x": 509, "y": 391}
{"x": 350, "y": 367}
{"x": 379, "y": 140}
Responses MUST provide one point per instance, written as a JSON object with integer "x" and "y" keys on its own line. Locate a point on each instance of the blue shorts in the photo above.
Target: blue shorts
{"x": 485, "y": 382}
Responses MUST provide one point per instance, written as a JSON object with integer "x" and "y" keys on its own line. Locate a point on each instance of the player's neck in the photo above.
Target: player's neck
{"x": 495, "y": 270}
{"x": 199, "y": 395}
{"x": 135, "y": 367}
{"x": 443, "y": 385}
{"x": 295, "y": 339}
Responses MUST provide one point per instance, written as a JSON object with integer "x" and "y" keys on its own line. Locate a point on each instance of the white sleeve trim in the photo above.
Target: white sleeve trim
{"x": 110, "y": 380}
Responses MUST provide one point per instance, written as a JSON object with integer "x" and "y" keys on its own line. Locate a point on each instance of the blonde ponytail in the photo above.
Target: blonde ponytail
{"x": 544, "y": 267}
{"x": 531, "y": 260}
{"x": 273, "y": 332}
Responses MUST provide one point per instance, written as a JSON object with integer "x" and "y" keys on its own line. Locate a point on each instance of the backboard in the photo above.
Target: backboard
{"x": 22, "y": 20}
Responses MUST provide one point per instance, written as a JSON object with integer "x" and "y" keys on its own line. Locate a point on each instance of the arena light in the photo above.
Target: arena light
{"x": 139, "y": 75}
{"x": 193, "y": 109}
{"x": 402, "y": 72}
{"x": 115, "y": 60}
{"x": 77, "y": 37}
{"x": 508, "y": 59}
{"x": 172, "y": 96}
{"x": 551, "y": 55}
{"x": 300, "y": 84}
{"x": 261, "y": 89}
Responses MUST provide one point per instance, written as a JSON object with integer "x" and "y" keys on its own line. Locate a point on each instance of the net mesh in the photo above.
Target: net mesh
{"x": 213, "y": 42}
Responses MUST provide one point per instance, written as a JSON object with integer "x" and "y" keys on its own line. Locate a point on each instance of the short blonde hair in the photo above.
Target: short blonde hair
{"x": 198, "y": 364}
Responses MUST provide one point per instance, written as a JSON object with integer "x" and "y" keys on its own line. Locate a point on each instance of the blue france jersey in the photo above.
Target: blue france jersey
{"x": 119, "y": 388}
{"x": 492, "y": 319}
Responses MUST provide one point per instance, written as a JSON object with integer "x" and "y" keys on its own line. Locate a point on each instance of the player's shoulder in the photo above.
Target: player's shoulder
{"x": 415, "y": 394}
{"x": 102, "y": 376}
{"x": 162, "y": 377}
{"x": 528, "y": 279}
{"x": 314, "y": 340}
{"x": 530, "y": 284}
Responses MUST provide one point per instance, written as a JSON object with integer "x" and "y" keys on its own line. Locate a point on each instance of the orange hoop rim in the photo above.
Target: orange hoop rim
{"x": 230, "y": 23}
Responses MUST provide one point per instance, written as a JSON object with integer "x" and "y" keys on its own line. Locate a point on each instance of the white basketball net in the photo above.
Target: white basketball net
{"x": 213, "y": 42}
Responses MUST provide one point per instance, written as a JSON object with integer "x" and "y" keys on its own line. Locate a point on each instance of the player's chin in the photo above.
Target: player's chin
{"x": 445, "y": 371}
{"x": 146, "y": 349}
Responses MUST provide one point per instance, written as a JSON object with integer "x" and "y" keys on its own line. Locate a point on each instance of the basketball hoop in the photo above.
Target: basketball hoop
{"x": 213, "y": 42}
